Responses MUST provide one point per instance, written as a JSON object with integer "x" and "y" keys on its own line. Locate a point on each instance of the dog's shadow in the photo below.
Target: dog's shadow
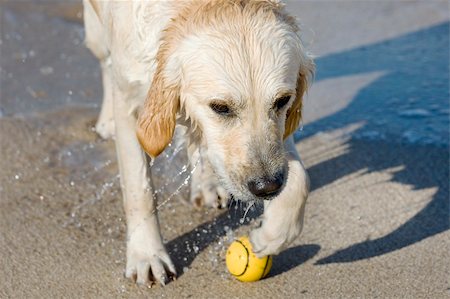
{"x": 293, "y": 257}
{"x": 185, "y": 248}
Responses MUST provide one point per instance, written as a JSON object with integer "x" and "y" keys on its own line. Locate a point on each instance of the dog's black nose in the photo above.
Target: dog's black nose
{"x": 266, "y": 186}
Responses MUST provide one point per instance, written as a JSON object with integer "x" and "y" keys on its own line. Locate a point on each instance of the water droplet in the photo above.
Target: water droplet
{"x": 46, "y": 70}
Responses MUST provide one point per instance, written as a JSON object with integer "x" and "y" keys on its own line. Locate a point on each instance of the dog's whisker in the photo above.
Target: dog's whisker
{"x": 251, "y": 204}
{"x": 230, "y": 203}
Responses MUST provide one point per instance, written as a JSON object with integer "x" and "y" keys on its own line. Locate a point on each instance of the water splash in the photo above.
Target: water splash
{"x": 184, "y": 183}
{"x": 106, "y": 186}
{"x": 173, "y": 180}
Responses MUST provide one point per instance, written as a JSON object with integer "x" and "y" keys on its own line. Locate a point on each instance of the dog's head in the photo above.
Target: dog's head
{"x": 238, "y": 71}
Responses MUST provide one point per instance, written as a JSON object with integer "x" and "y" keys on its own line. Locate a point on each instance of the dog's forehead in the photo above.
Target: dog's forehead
{"x": 240, "y": 65}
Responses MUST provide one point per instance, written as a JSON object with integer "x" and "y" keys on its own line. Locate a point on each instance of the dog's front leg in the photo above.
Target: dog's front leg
{"x": 145, "y": 249}
{"x": 105, "y": 122}
{"x": 283, "y": 216}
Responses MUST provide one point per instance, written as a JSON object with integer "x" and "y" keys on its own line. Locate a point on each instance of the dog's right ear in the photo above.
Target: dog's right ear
{"x": 157, "y": 118}
{"x": 294, "y": 114}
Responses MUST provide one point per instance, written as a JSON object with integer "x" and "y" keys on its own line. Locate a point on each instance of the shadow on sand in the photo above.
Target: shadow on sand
{"x": 406, "y": 110}
{"x": 216, "y": 229}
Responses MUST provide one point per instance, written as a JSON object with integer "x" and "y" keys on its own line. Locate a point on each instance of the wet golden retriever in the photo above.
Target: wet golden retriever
{"x": 234, "y": 73}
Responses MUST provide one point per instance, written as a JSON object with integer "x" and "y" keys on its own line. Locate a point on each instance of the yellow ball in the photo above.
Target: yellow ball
{"x": 243, "y": 264}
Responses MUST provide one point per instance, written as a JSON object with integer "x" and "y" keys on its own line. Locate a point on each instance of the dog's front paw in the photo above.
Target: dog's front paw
{"x": 209, "y": 194}
{"x": 281, "y": 225}
{"x": 206, "y": 190}
{"x": 105, "y": 128}
{"x": 267, "y": 242}
{"x": 147, "y": 257}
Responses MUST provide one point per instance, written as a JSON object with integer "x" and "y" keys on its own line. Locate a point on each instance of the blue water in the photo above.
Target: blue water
{"x": 409, "y": 103}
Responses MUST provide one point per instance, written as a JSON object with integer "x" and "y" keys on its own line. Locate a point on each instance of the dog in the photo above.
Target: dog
{"x": 233, "y": 72}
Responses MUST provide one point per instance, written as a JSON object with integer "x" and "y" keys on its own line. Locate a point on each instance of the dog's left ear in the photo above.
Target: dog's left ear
{"x": 294, "y": 114}
{"x": 157, "y": 118}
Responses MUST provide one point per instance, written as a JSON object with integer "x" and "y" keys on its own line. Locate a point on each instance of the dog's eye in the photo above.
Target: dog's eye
{"x": 221, "y": 109}
{"x": 281, "y": 102}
